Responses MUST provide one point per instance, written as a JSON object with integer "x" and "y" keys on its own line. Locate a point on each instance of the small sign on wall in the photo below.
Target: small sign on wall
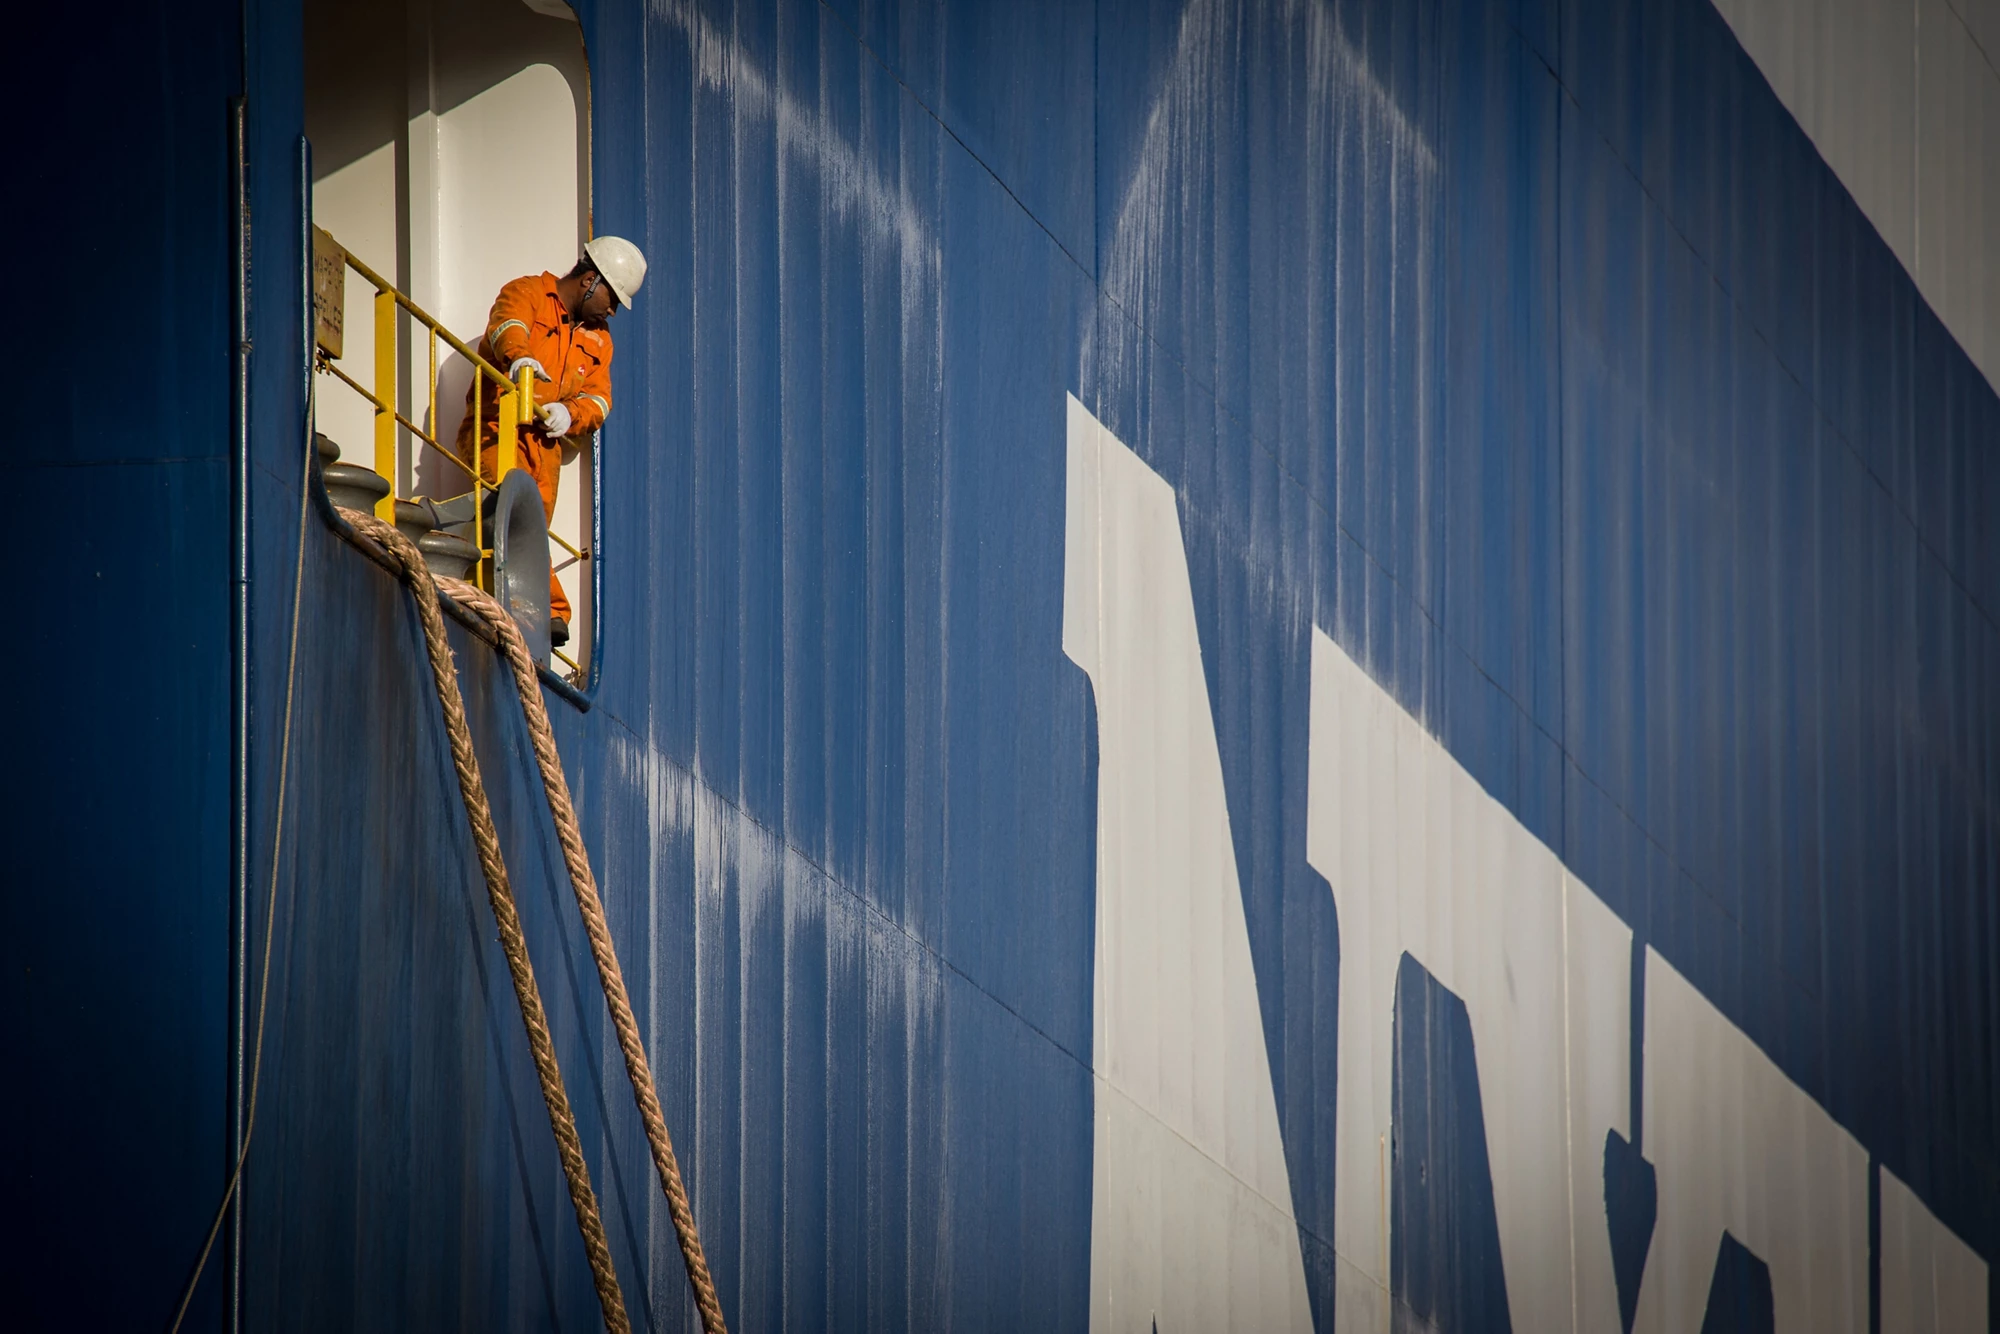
{"x": 329, "y": 292}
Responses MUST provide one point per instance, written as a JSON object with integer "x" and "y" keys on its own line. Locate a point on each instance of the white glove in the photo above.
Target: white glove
{"x": 555, "y": 418}
{"x": 514, "y": 371}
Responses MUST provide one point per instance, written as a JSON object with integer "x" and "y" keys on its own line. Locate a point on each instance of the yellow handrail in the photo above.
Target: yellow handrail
{"x": 410, "y": 426}
{"x": 424, "y": 317}
{"x": 513, "y": 397}
{"x": 516, "y": 409}
{"x": 385, "y": 394}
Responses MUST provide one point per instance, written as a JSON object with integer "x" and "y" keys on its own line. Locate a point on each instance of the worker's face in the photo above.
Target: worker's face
{"x": 600, "y": 304}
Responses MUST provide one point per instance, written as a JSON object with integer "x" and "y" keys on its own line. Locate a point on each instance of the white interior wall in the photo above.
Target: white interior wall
{"x": 357, "y": 204}
{"x": 530, "y": 117}
{"x": 1902, "y": 99}
{"x": 464, "y": 170}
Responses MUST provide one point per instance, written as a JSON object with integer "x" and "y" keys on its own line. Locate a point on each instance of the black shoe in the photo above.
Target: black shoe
{"x": 558, "y": 631}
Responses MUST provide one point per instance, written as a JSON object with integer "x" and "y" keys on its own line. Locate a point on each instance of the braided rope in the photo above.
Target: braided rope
{"x": 512, "y": 942}
{"x": 515, "y": 649}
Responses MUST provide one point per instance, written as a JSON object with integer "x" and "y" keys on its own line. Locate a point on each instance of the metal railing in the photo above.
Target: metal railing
{"x": 516, "y": 409}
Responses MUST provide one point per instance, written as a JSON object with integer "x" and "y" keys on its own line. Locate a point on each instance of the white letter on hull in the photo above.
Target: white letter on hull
{"x": 1741, "y": 1149}
{"x": 1191, "y": 1225}
{"x": 1424, "y": 861}
{"x": 1191, "y": 1210}
{"x": 1932, "y": 1283}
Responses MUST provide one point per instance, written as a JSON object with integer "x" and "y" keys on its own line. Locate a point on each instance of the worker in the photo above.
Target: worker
{"x": 556, "y": 328}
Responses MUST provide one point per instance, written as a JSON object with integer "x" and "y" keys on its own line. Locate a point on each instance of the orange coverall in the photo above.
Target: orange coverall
{"x": 529, "y": 320}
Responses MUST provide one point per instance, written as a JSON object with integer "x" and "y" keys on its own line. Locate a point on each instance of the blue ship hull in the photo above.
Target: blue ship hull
{"x": 1528, "y": 354}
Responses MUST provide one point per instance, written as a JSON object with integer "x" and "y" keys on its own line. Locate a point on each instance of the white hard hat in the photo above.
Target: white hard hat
{"x": 621, "y": 264}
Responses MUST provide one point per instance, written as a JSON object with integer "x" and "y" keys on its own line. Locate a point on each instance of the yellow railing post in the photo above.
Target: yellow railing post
{"x": 478, "y": 486}
{"x": 508, "y": 455}
{"x": 385, "y": 408}
{"x": 431, "y": 386}
{"x": 517, "y": 409}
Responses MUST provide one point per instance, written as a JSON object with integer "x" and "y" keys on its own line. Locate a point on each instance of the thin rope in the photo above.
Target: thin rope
{"x": 271, "y": 911}
{"x": 513, "y": 943}
{"x": 638, "y": 1068}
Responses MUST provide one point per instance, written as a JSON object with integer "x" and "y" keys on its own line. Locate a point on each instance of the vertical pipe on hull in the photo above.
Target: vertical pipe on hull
{"x": 239, "y": 907}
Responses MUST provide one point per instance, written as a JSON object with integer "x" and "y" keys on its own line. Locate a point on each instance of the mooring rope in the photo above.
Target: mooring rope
{"x": 590, "y": 904}
{"x": 512, "y": 942}
{"x": 528, "y": 685}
